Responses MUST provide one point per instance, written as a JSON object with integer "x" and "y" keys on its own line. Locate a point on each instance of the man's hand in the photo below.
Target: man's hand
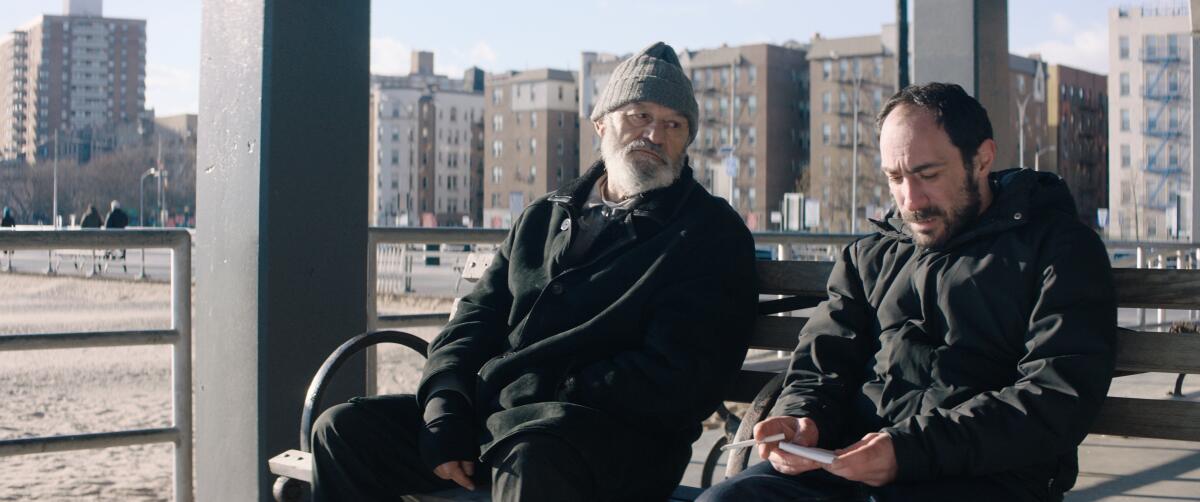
{"x": 872, "y": 460}
{"x": 458, "y": 471}
{"x": 802, "y": 431}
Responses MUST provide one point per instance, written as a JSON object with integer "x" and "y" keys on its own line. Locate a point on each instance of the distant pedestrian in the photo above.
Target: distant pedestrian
{"x": 116, "y": 217}
{"x": 91, "y": 219}
{"x": 7, "y": 222}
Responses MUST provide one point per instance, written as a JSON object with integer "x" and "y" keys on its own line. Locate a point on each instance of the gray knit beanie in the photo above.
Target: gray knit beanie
{"x": 654, "y": 75}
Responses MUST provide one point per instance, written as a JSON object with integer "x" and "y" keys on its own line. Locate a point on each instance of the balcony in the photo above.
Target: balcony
{"x": 1156, "y": 57}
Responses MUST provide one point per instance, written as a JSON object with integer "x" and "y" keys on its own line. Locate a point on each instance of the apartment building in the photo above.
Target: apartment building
{"x": 426, "y": 148}
{"x": 1151, "y": 161}
{"x": 1077, "y": 124}
{"x": 77, "y": 77}
{"x": 531, "y": 139}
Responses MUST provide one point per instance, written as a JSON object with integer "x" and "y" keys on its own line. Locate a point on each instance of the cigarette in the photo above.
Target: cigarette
{"x": 752, "y": 442}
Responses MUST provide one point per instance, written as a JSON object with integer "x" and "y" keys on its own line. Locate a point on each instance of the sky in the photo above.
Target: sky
{"x": 517, "y": 35}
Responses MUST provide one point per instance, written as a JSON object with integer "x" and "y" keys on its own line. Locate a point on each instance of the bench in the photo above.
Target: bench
{"x": 792, "y": 286}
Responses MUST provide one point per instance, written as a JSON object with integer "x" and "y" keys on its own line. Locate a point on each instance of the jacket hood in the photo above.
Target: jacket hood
{"x": 1018, "y": 194}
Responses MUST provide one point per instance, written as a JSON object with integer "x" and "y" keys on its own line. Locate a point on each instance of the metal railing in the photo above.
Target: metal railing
{"x": 179, "y": 336}
{"x": 787, "y": 246}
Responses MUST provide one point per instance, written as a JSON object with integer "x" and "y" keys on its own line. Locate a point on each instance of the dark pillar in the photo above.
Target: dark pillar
{"x": 281, "y": 225}
{"x": 966, "y": 42}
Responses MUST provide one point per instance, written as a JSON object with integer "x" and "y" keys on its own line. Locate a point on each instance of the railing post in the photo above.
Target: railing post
{"x": 181, "y": 322}
{"x": 1141, "y": 312}
{"x": 408, "y": 267}
{"x": 372, "y": 369}
{"x": 49, "y": 262}
{"x": 1162, "y": 313}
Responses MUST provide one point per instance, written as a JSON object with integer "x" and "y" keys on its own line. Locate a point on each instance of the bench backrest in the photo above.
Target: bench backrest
{"x": 802, "y": 283}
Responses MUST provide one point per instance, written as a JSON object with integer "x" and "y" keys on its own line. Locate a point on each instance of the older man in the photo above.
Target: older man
{"x": 601, "y": 336}
{"x": 965, "y": 347}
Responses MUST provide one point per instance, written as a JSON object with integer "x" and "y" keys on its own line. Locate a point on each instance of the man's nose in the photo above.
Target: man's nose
{"x": 655, "y": 131}
{"x": 914, "y": 196}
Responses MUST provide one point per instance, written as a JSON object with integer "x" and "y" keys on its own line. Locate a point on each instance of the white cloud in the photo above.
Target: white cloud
{"x": 390, "y": 56}
{"x": 482, "y": 54}
{"x": 171, "y": 90}
{"x": 1062, "y": 25}
{"x": 1086, "y": 49}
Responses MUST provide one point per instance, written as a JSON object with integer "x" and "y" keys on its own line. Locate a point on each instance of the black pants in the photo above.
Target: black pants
{"x": 762, "y": 482}
{"x": 366, "y": 449}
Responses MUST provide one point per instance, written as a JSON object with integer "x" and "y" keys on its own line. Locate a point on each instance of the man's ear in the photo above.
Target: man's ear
{"x": 599, "y": 125}
{"x": 985, "y": 156}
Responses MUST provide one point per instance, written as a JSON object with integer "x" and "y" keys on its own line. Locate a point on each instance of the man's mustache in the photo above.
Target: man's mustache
{"x": 642, "y": 144}
{"x": 922, "y": 215}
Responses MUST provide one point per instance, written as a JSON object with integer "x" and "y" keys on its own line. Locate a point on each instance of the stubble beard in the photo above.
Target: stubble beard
{"x": 954, "y": 220}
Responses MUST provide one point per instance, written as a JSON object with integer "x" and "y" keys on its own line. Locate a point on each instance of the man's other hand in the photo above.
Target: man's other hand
{"x": 458, "y": 471}
{"x": 872, "y": 460}
{"x": 801, "y": 431}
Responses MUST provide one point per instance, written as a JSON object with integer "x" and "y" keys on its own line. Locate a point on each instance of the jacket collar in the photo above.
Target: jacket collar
{"x": 659, "y": 205}
{"x": 1013, "y": 203}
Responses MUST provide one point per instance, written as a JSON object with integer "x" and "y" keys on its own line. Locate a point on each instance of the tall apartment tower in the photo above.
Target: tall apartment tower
{"x": 846, "y": 71}
{"x": 427, "y": 148}
{"x": 1027, "y": 111}
{"x": 1077, "y": 123}
{"x": 1150, "y": 95}
{"x": 752, "y": 141}
{"x": 79, "y": 74}
{"x": 531, "y": 139}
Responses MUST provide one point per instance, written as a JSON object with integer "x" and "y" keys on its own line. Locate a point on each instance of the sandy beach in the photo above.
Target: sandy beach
{"x": 71, "y": 391}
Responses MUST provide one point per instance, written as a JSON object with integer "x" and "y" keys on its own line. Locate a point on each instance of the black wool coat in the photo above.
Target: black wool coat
{"x": 642, "y": 334}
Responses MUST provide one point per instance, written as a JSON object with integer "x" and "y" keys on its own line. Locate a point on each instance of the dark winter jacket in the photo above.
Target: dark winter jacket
{"x": 116, "y": 219}
{"x": 990, "y": 356}
{"x": 91, "y": 219}
{"x": 642, "y": 333}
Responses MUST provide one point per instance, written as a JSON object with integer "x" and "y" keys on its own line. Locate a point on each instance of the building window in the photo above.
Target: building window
{"x": 1124, "y": 83}
{"x": 751, "y": 198}
{"x": 497, "y": 148}
{"x": 532, "y": 172}
{"x": 533, "y": 120}
{"x": 532, "y": 146}
{"x": 826, "y": 69}
{"x": 825, "y": 98}
{"x": 497, "y": 172}
{"x": 497, "y": 122}
{"x": 752, "y": 103}
{"x": 752, "y": 135}
{"x": 752, "y": 167}
{"x": 753, "y": 74}
{"x": 825, "y": 133}
{"x": 724, "y": 105}
{"x": 1124, "y": 119}
{"x": 842, "y": 134}
{"x": 1123, "y": 44}
{"x": 878, "y": 66}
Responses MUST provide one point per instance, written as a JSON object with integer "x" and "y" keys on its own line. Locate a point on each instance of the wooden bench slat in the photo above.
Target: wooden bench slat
{"x": 1140, "y": 351}
{"x": 1149, "y": 418}
{"x": 804, "y": 278}
{"x": 776, "y": 333}
{"x": 1151, "y": 288}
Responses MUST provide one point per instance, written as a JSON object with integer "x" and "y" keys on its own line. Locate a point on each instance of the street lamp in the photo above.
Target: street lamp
{"x": 1021, "y": 129}
{"x": 142, "y": 195}
{"x": 857, "y": 81}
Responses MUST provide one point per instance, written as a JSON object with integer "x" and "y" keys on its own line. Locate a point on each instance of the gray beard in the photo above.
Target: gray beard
{"x": 628, "y": 177}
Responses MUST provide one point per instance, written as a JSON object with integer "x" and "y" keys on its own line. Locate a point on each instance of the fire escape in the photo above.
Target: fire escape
{"x": 1165, "y": 130}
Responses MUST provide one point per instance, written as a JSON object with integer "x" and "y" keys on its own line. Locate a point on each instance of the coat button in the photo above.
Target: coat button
{"x": 566, "y": 224}
{"x": 556, "y": 288}
{"x": 1017, "y": 216}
